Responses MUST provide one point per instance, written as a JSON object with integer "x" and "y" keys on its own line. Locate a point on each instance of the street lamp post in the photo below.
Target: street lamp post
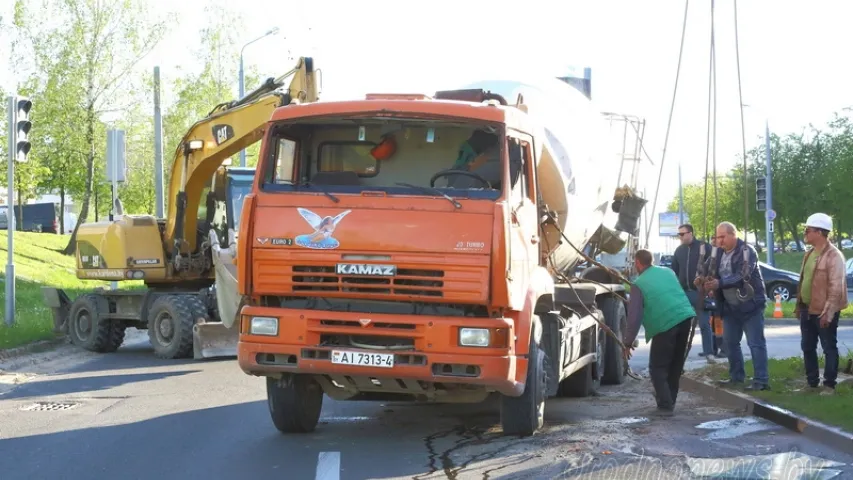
{"x": 272, "y": 31}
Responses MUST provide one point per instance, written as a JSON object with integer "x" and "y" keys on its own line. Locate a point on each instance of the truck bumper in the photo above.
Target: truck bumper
{"x": 435, "y": 358}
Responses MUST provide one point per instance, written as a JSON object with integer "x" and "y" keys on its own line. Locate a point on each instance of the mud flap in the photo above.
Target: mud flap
{"x": 58, "y": 302}
{"x": 219, "y": 339}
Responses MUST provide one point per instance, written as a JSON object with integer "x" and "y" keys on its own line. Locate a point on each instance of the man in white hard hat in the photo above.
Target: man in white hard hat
{"x": 821, "y": 295}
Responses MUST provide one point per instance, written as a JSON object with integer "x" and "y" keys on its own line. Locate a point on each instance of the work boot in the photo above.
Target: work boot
{"x": 662, "y": 412}
{"x": 730, "y": 383}
{"x": 756, "y": 387}
{"x": 808, "y": 389}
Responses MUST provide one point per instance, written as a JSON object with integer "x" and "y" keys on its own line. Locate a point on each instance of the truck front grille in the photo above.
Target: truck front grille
{"x": 408, "y": 282}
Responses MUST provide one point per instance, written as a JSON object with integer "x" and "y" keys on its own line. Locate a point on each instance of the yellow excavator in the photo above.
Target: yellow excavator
{"x": 186, "y": 261}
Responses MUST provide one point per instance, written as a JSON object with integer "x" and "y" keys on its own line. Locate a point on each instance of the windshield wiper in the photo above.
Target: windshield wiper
{"x": 434, "y": 191}
{"x": 324, "y": 192}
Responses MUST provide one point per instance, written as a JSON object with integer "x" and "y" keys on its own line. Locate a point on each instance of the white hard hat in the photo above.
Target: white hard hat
{"x": 820, "y": 220}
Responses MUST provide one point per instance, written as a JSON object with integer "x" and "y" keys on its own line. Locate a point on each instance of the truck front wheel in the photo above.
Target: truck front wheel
{"x": 525, "y": 414}
{"x": 295, "y": 402}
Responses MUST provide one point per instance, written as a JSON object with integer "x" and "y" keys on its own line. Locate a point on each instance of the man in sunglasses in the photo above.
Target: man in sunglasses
{"x": 685, "y": 262}
{"x": 822, "y": 295}
{"x": 738, "y": 287}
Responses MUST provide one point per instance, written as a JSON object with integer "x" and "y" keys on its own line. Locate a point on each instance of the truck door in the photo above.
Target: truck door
{"x": 524, "y": 235}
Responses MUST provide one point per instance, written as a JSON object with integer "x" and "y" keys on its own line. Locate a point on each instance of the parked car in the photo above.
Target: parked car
{"x": 782, "y": 282}
{"x": 665, "y": 261}
{"x": 849, "y": 273}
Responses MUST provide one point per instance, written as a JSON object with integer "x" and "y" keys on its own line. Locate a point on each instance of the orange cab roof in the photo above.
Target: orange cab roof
{"x": 403, "y": 104}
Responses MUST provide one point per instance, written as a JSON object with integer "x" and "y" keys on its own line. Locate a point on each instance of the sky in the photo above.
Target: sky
{"x": 791, "y": 52}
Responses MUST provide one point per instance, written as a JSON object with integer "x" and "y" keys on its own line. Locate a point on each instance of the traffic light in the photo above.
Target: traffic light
{"x": 761, "y": 194}
{"x": 20, "y": 115}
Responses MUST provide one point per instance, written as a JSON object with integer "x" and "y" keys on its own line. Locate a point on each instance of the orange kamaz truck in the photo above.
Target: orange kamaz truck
{"x": 426, "y": 248}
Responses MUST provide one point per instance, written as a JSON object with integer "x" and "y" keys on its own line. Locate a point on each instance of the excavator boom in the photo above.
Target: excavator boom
{"x": 192, "y": 300}
{"x": 229, "y": 128}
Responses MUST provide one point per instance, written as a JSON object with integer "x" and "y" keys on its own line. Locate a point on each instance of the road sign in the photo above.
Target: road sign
{"x": 770, "y": 226}
{"x": 771, "y": 215}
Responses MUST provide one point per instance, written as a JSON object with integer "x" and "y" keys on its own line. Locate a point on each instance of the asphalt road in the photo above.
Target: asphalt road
{"x": 129, "y": 415}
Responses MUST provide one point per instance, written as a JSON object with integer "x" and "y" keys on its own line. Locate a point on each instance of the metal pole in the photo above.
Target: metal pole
{"x": 158, "y": 147}
{"x": 114, "y": 152}
{"x": 243, "y": 151}
{"x": 767, "y": 221}
{"x": 10, "y": 214}
{"x": 680, "y": 197}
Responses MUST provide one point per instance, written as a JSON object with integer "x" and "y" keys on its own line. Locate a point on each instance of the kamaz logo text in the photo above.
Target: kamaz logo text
{"x": 366, "y": 269}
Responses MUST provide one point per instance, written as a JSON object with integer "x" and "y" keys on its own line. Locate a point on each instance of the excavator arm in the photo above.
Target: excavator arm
{"x": 229, "y": 128}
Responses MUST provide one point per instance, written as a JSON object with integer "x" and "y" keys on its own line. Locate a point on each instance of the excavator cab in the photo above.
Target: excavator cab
{"x": 227, "y": 190}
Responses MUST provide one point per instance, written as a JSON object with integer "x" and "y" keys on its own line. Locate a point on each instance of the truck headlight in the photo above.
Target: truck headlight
{"x": 474, "y": 337}
{"x": 263, "y": 326}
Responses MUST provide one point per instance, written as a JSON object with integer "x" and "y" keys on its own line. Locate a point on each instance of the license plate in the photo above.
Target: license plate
{"x": 364, "y": 359}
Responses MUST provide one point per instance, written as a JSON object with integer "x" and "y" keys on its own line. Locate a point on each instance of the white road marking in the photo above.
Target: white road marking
{"x": 328, "y": 466}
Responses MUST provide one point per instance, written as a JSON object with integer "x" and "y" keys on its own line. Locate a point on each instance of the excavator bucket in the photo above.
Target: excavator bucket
{"x": 219, "y": 339}
{"x": 214, "y": 340}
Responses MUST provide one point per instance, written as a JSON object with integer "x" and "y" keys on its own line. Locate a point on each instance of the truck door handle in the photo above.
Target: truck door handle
{"x": 534, "y": 239}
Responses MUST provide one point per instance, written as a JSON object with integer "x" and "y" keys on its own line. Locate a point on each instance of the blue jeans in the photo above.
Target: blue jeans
{"x": 811, "y": 332}
{"x": 703, "y": 318}
{"x": 734, "y": 326}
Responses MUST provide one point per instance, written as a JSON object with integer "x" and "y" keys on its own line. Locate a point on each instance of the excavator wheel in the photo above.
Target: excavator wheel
{"x": 89, "y": 330}
{"x": 170, "y": 325}
{"x": 295, "y": 402}
{"x": 524, "y": 415}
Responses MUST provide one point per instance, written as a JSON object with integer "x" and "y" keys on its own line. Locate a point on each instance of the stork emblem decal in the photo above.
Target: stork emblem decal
{"x": 324, "y": 227}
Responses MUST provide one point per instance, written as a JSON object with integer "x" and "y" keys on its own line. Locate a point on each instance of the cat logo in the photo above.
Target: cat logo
{"x": 222, "y": 133}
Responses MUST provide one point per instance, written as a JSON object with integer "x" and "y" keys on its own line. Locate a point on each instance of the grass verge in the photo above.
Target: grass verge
{"x": 39, "y": 262}
{"x": 787, "y": 376}
{"x": 788, "y": 310}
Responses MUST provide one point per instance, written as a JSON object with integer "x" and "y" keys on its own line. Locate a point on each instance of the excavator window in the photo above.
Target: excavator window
{"x": 285, "y": 157}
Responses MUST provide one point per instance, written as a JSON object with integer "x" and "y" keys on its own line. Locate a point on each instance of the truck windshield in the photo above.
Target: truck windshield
{"x": 411, "y": 157}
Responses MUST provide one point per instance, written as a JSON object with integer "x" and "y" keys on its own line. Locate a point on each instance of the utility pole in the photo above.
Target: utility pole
{"x": 158, "y": 146}
{"x": 768, "y": 222}
{"x": 680, "y": 197}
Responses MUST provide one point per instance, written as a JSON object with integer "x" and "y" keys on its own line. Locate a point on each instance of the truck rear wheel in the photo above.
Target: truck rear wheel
{"x": 88, "y": 328}
{"x": 525, "y": 414}
{"x": 586, "y": 381}
{"x": 294, "y": 402}
{"x": 617, "y": 319}
{"x": 170, "y": 325}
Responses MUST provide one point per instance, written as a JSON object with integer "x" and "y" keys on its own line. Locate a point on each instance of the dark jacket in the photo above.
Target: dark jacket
{"x": 685, "y": 260}
{"x": 759, "y": 300}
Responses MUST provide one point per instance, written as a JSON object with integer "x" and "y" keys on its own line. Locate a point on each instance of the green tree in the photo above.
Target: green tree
{"x": 103, "y": 42}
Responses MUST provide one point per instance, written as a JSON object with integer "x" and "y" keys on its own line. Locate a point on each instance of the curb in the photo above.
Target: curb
{"x": 770, "y": 321}
{"x": 35, "y": 347}
{"x": 820, "y": 432}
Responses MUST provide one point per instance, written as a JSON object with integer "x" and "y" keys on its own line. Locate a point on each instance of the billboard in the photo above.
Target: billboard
{"x": 668, "y": 223}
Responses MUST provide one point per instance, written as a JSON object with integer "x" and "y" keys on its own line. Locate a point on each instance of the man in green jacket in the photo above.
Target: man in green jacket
{"x": 660, "y": 304}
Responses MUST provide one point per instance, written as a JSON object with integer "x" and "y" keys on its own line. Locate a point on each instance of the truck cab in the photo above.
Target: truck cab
{"x": 393, "y": 248}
